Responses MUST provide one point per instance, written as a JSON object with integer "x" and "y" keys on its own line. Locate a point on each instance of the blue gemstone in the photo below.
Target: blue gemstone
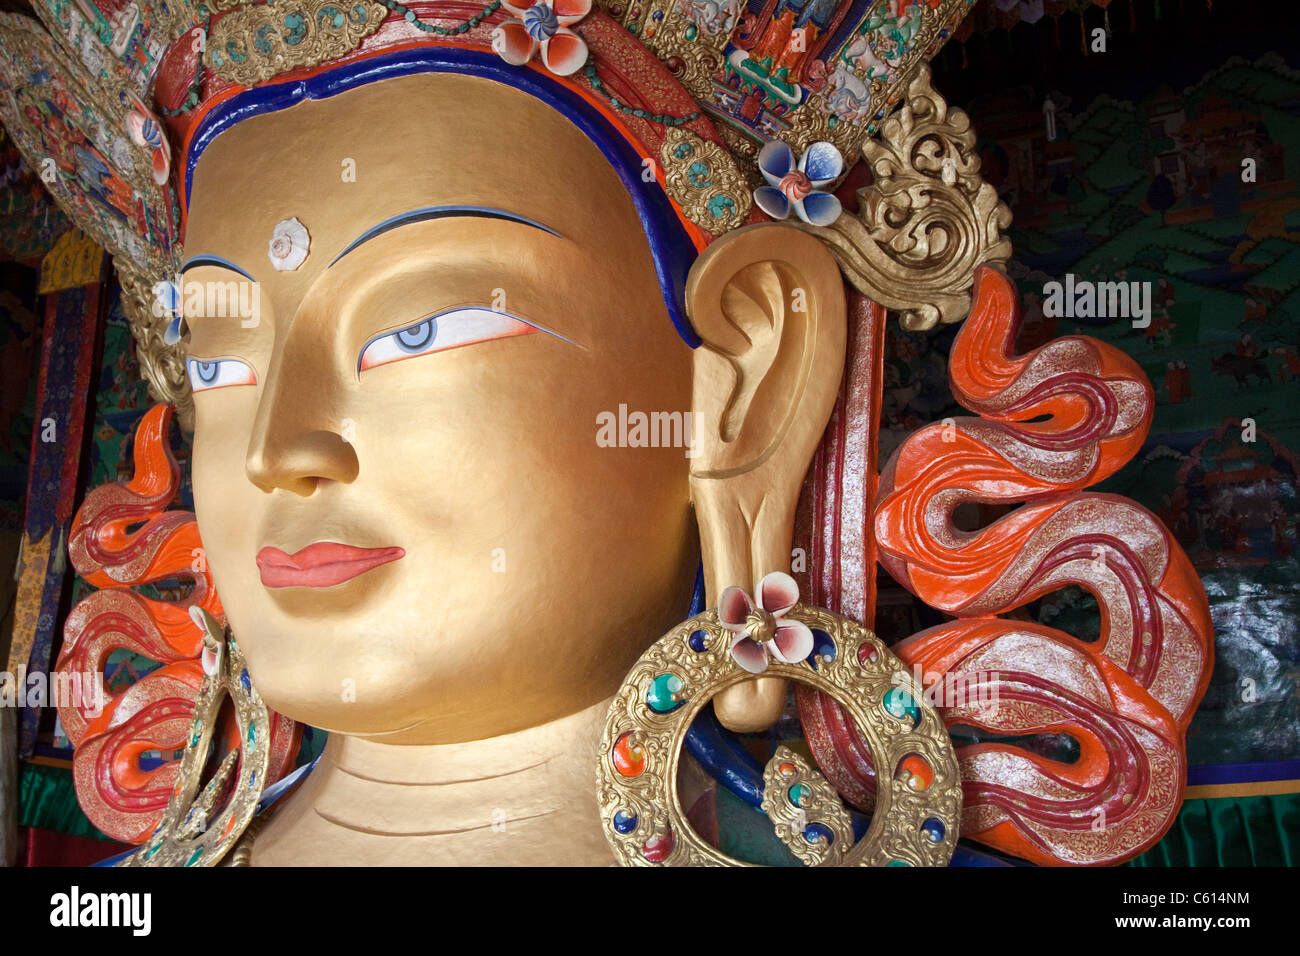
{"x": 657, "y": 15}
{"x": 624, "y": 822}
{"x": 244, "y": 682}
{"x": 823, "y": 647}
{"x": 934, "y": 830}
{"x": 660, "y": 695}
{"x": 943, "y": 34}
{"x": 699, "y": 641}
{"x": 814, "y": 832}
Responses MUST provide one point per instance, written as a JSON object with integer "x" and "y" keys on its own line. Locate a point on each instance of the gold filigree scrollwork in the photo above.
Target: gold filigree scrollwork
{"x": 705, "y": 181}
{"x": 918, "y": 794}
{"x": 256, "y": 43}
{"x": 928, "y": 220}
{"x": 161, "y": 365}
{"x": 797, "y": 799}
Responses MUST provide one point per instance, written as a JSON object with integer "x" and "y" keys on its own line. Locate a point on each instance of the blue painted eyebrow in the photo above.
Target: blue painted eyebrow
{"x": 217, "y": 261}
{"x": 404, "y": 219}
{"x": 440, "y": 212}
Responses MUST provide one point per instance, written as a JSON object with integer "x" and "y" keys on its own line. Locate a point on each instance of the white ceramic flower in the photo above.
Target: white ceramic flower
{"x": 289, "y": 245}
{"x": 796, "y": 187}
{"x": 761, "y": 628}
{"x": 543, "y": 25}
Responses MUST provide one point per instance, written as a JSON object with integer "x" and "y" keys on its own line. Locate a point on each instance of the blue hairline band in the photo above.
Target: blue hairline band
{"x": 671, "y": 247}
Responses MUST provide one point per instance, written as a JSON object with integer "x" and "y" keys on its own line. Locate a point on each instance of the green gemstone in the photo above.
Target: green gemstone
{"x": 691, "y": 32}
{"x": 660, "y": 696}
{"x": 899, "y": 703}
{"x": 799, "y": 794}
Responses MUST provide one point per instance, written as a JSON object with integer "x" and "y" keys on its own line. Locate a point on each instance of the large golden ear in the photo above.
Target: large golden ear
{"x": 768, "y": 303}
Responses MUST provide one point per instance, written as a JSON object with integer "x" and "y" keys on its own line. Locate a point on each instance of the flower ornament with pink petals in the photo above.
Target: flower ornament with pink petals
{"x": 763, "y": 629}
{"x": 797, "y": 186}
{"x": 543, "y": 25}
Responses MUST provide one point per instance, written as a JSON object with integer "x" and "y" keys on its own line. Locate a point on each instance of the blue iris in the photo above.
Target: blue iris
{"x": 207, "y": 372}
{"x": 417, "y": 337}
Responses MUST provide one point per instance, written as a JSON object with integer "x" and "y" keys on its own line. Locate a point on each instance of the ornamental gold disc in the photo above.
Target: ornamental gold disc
{"x": 918, "y": 789}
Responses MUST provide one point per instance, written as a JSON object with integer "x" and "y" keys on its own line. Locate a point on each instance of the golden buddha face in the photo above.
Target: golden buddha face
{"x": 402, "y": 499}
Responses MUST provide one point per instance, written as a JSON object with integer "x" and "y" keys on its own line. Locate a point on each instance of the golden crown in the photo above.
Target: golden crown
{"x": 753, "y": 109}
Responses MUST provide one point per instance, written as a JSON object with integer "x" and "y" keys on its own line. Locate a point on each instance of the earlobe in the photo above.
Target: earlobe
{"x": 768, "y": 302}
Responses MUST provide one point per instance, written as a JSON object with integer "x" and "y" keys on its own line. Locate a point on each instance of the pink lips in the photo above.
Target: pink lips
{"x": 320, "y": 565}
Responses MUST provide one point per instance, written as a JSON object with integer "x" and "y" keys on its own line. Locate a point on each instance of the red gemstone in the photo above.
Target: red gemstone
{"x": 658, "y": 848}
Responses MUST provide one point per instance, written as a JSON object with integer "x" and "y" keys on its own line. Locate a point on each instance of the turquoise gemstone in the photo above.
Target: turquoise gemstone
{"x": 799, "y": 794}
{"x": 194, "y": 858}
{"x": 252, "y": 733}
{"x": 898, "y": 863}
{"x": 660, "y": 695}
{"x": 899, "y": 703}
{"x": 720, "y": 206}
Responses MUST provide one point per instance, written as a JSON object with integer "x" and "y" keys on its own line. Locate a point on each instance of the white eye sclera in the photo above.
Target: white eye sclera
{"x": 218, "y": 373}
{"x": 439, "y": 333}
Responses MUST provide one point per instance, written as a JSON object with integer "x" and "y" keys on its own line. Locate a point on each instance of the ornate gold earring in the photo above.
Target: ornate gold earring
{"x": 187, "y": 836}
{"x": 918, "y": 795}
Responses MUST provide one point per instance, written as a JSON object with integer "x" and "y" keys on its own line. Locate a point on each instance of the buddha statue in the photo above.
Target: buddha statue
{"x": 468, "y": 242}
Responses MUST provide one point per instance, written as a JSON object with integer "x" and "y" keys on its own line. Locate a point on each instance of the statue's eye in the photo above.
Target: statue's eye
{"x": 440, "y": 332}
{"x": 218, "y": 373}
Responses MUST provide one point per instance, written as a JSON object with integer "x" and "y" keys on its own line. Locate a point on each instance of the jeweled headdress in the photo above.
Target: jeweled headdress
{"x": 744, "y": 110}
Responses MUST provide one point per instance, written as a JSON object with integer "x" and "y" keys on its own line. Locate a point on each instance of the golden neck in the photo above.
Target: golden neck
{"x": 526, "y": 798}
